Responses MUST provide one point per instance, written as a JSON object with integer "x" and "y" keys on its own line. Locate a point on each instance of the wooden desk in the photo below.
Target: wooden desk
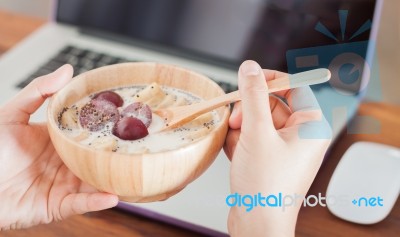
{"x": 315, "y": 221}
{"x": 14, "y": 27}
{"x": 318, "y": 221}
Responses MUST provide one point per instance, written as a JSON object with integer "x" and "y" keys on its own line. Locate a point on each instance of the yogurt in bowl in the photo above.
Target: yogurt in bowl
{"x": 107, "y": 120}
{"x": 150, "y": 168}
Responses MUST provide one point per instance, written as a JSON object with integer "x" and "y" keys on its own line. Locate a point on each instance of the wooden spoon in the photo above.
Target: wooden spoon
{"x": 177, "y": 116}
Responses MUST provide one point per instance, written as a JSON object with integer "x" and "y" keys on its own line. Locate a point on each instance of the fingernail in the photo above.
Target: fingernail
{"x": 250, "y": 69}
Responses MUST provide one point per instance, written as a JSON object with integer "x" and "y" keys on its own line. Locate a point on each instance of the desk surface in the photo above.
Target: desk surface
{"x": 316, "y": 221}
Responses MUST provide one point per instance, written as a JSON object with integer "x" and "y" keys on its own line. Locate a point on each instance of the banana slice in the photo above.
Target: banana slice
{"x": 180, "y": 101}
{"x": 82, "y": 136}
{"x": 168, "y": 101}
{"x": 125, "y": 150}
{"x": 105, "y": 143}
{"x": 153, "y": 94}
{"x": 155, "y": 101}
{"x": 69, "y": 118}
{"x": 203, "y": 120}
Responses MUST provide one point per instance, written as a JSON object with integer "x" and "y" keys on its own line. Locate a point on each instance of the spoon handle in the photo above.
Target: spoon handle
{"x": 179, "y": 115}
{"x": 307, "y": 78}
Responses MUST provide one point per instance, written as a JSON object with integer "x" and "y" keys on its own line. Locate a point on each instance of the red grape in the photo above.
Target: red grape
{"x": 138, "y": 110}
{"x": 130, "y": 128}
{"x": 97, "y": 113}
{"x": 111, "y": 97}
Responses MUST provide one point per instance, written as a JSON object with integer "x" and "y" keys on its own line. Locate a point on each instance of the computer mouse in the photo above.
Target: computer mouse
{"x": 365, "y": 184}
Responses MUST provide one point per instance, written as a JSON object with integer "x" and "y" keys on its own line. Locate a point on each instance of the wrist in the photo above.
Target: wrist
{"x": 262, "y": 222}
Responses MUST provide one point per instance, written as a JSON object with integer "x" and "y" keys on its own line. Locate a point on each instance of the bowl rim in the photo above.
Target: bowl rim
{"x": 54, "y": 124}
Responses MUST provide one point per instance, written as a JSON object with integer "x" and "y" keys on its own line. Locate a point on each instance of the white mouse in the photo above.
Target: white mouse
{"x": 365, "y": 184}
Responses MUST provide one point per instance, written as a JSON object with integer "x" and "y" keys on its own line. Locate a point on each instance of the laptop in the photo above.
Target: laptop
{"x": 211, "y": 37}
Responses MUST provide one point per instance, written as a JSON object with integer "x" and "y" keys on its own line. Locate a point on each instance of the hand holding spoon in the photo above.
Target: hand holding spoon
{"x": 177, "y": 116}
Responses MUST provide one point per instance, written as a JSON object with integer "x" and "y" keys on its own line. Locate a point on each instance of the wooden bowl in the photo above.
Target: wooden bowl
{"x": 140, "y": 177}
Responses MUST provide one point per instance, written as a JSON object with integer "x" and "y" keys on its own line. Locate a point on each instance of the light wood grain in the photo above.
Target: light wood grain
{"x": 108, "y": 223}
{"x": 140, "y": 177}
{"x": 15, "y": 27}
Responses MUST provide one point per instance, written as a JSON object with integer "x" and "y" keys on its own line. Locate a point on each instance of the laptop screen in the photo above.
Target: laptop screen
{"x": 226, "y": 31}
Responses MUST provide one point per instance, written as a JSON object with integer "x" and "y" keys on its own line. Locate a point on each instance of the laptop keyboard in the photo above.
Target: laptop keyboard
{"x": 84, "y": 60}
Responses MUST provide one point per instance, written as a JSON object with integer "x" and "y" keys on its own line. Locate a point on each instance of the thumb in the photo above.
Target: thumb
{"x": 80, "y": 203}
{"x": 255, "y": 99}
{"x": 30, "y": 98}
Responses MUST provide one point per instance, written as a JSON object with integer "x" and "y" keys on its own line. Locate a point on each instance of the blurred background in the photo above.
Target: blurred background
{"x": 36, "y": 8}
{"x": 388, "y": 49}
